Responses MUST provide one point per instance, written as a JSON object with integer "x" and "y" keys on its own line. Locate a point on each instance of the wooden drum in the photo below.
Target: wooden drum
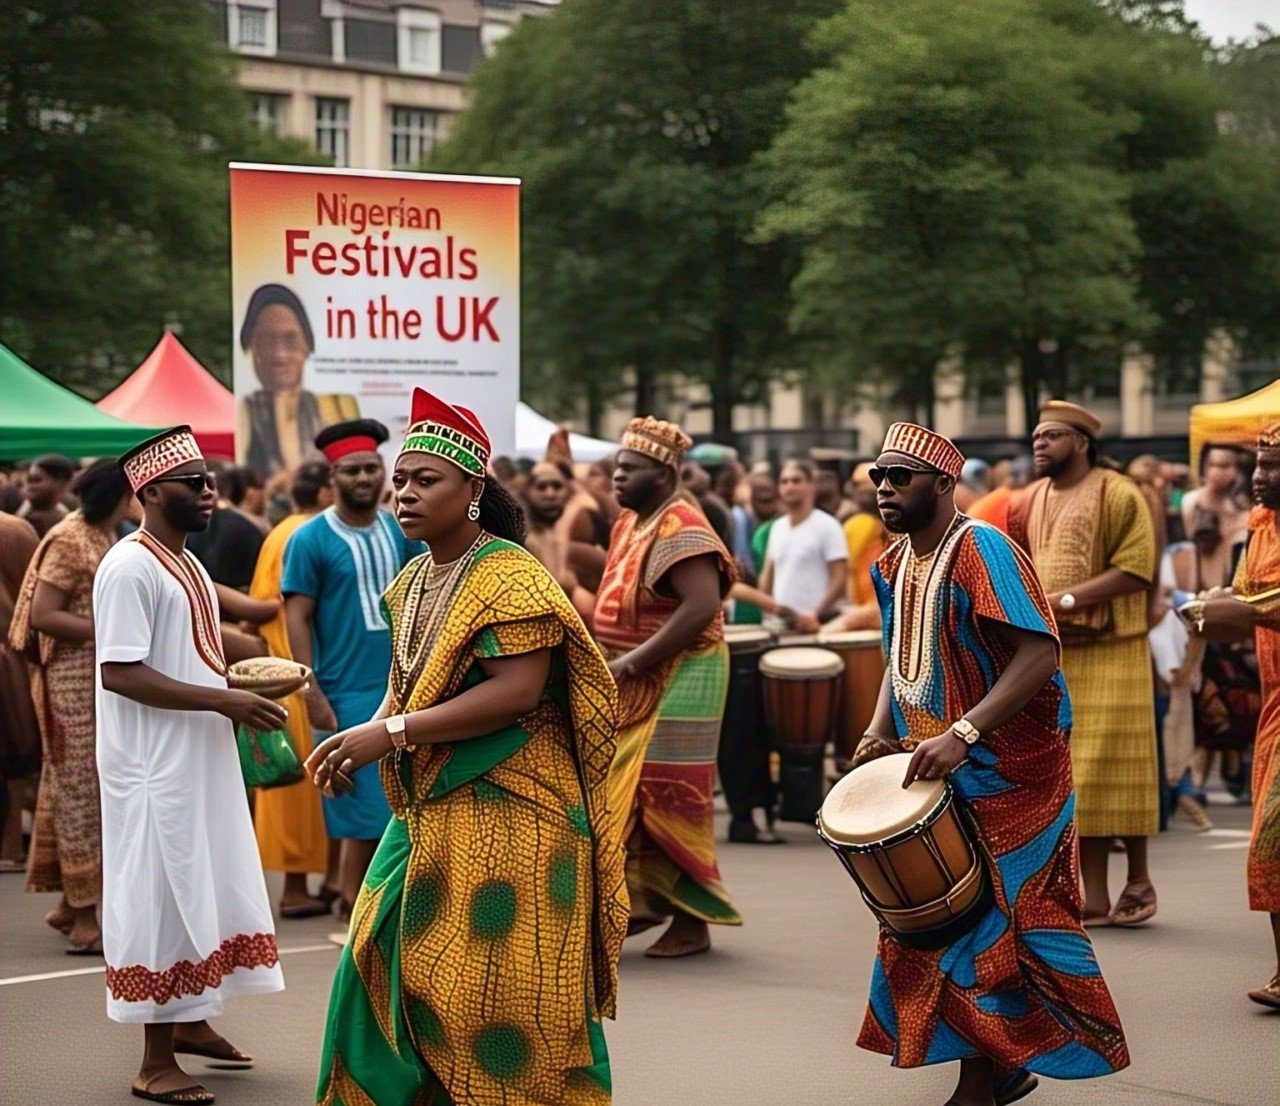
{"x": 801, "y": 701}
{"x": 743, "y": 758}
{"x": 910, "y": 851}
{"x": 863, "y": 654}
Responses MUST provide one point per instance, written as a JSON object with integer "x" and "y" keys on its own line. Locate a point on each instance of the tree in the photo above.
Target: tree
{"x": 118, "y": 123}
{"x": 1036, "y": 184}
{"x": 634, "y": 127}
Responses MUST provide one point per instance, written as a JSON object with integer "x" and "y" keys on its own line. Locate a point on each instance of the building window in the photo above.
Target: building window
{"x": 333, "y": 130}
{"x": 267, "y": 110}
{"x": 418, "y": 34}
{"x": 413, "y": 134}
{"x": 251, "y": 26}
{"x": 491, "y": 34}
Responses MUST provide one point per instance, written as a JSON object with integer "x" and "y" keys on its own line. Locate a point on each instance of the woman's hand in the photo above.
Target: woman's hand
{"x": 333, "y": 763}
{"x": 936, "y": 757}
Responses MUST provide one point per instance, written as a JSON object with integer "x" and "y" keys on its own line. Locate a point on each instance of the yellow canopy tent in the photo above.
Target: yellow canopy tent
{"x": 1234, "y": 421}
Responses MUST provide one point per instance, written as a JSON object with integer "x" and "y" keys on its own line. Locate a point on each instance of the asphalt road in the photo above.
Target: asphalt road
{"x": 769, "y": 1017}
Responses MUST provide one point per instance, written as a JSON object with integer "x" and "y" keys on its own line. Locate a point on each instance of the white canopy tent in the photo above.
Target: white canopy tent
{"x": 533, "y": 431}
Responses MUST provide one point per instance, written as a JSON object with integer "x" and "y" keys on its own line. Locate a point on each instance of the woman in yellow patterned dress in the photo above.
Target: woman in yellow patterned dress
{"x": 484, "y": 944}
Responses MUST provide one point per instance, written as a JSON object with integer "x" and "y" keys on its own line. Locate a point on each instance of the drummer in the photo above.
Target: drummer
{"x": 973, "y": 687}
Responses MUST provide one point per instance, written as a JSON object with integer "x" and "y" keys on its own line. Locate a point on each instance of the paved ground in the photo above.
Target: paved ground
{"x": 768, "y": 1018}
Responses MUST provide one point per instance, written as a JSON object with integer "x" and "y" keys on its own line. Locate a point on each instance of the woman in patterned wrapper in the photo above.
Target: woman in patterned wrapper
{"x": 484, "y": 944}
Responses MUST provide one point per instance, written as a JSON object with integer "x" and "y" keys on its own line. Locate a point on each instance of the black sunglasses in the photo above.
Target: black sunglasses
{"x": 194, "y": 482}
{"x": 898, "y": 475}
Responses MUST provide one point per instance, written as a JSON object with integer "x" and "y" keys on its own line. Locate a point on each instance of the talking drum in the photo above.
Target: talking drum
{"x": 863, "y": 654}
{"x": 909, "y": 850}
{"x": 743, "y": 758}
{"x": 801, "y": 701}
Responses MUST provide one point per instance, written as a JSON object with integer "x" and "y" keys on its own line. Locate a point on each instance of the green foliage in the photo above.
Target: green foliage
{"x": 1034, "y": 184}
{"x": 118, "y": 123}
{"x": 634, "y": 127}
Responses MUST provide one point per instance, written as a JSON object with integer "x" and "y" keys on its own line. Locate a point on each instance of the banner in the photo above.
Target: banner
{"x": 351, "y": 287}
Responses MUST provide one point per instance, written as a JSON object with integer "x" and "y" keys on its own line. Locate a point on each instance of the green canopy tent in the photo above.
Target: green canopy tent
{"x": 38, "y": 416}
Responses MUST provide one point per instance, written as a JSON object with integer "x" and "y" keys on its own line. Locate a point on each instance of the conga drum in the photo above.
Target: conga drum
{"x": 911, "y": 852}
{"x": 801, "y": 701}
{"x": 863, "y": 654}
{"x": 743, "y": 758}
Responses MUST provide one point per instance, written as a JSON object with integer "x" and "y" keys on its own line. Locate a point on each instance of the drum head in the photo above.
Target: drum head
{"x": 801, "y": 663}
{"x": 870, "y": 804}
{"x": 852, "y": 639}
{"x": 746, "y": 635}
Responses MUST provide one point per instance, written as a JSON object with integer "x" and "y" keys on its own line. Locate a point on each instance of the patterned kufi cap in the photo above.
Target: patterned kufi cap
{"x": 452, "y": 433}
{"x": 664, "y": 441}
{"x": 1073, "y": 415}
{"x": 1269, "y": 439}
{"x": 924, "y": 445}
{"x": 159, "y": 455}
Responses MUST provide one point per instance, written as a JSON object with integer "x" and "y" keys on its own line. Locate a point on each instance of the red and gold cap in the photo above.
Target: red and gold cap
{"x": 452, "y": 433}
{"x": 664, "y": 441}
{"x": 160, "y": 455}
{"x": 924, "y": 445}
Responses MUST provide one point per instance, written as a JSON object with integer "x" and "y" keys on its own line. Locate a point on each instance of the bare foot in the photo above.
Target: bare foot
{"x": 199, "y": 1039}
{"x": 170, "y": 1084}
{"x": 685, "y": 936}
{"x": 61, "y": 917}
{"x": 638, "y": 923}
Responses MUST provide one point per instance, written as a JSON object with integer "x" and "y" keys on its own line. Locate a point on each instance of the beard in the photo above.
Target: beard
{"x": 186, "y": 516}
{"x": 913, "y": 517}
{"x": 544, "y": 516}
{"x": 1052, "y": 469}
{"x": 355, "y": 500}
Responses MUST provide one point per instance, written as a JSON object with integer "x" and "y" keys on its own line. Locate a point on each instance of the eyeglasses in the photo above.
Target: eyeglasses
{"x": 898, "y": 475}
{"x": 194, "y": 482}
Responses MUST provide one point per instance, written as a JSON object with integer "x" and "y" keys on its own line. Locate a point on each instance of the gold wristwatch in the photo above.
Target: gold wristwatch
{"x": 395, "y": 727}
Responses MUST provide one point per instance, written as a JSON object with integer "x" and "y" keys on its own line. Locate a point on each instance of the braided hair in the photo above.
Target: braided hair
{"x": 500, "y": 514}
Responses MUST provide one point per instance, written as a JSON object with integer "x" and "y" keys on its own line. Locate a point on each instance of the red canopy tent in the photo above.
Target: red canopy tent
{"x": 171, "y": 387}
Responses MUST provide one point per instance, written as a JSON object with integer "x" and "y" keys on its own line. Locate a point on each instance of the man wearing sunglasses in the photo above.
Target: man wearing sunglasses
{"x": 972, "y": 690}
{"x": 186, "y": 923}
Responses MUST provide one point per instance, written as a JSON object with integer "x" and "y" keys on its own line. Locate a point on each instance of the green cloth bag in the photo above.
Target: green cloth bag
{"x": 267, "y": 759}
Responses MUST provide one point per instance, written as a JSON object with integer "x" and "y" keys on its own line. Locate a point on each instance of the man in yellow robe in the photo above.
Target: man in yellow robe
{"x": 1090, "y": 535}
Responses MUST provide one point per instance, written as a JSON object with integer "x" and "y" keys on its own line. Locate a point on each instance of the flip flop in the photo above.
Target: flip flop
{"x": 1016, "y": 1085}
{"x": 1269, "y": 995}
{"x": 233, "y": 1058}
{"x": 93, "y": 948}
{"x": 659, "y": 955}
{"x": 1130, "y": 910}
{"x": 195, "y": 1095}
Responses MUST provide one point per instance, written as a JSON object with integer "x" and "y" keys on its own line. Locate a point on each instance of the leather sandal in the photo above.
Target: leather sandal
{"x": 195, "y": 1095}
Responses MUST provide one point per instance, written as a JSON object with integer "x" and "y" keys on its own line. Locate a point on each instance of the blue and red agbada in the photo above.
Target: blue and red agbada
{"x": 1023, "y": 987}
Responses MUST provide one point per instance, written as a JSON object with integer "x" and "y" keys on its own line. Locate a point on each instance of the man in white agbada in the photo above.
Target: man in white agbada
{"x": 186, "y": 922}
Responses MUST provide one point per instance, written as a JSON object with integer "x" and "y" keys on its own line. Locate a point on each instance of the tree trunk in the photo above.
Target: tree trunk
{"x": 595, "y": 407}
{"x": 646, "y": 391}
{"x": 724, "y": 385}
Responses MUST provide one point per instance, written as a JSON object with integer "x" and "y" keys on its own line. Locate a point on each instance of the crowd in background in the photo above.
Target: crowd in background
{"x": 804, "y": 535}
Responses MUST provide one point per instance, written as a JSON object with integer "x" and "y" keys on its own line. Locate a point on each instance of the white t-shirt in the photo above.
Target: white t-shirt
{"x": 801, "y": 555}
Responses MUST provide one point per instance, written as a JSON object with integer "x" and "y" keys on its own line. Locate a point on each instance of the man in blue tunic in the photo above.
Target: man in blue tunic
{"x": 336, "y": 568}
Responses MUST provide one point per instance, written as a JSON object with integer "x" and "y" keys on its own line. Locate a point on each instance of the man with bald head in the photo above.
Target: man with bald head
{"x": 1090, "y": 534}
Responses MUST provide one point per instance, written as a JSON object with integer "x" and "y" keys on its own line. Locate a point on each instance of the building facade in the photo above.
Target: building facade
{"x": 373, "y": 84}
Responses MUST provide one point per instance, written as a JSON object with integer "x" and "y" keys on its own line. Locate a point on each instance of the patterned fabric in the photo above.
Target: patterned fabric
{"x": 288, "y": 821}
{"x": 1259, "y": 572}
{"x": 664, "y": 441}
{"x": 138, "y": 983}
{"x": 1023, "y": 987}
{"x": 66, "y": 847}
{"x": 205, "y": 629}
{"x": 633, "y": 604}
{"x": 485, "y": 941}
{"x": 671, "y": 852}
{"x": 933, "y": 449}
{"x": 160, "y": 455}
{"x": 1102, "y": 523}
{"x": 453, "y": 433}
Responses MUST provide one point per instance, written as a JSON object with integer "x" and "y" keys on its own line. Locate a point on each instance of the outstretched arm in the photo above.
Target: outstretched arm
{"x": 143, "y": 684}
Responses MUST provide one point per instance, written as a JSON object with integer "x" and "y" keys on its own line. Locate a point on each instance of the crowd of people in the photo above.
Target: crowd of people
{"x": 519, "y": 673}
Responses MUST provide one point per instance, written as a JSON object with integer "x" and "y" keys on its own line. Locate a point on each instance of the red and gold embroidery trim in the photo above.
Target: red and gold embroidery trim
{"x": 205, "y": 630}
{"x": 137, "y": 983}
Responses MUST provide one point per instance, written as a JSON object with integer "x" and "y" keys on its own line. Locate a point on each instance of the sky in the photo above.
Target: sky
{"x": 1224, "y": 19}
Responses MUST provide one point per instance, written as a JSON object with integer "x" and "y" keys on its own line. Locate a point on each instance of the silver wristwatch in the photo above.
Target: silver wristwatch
{"x": 966, "y": 731}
